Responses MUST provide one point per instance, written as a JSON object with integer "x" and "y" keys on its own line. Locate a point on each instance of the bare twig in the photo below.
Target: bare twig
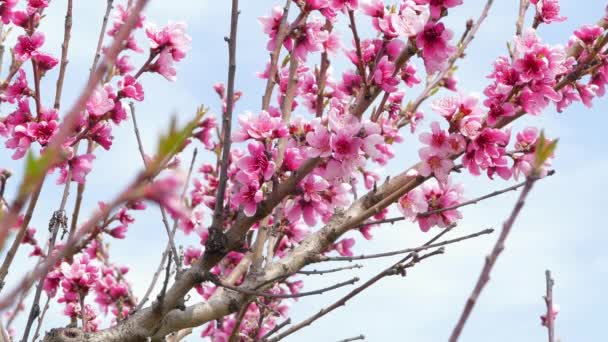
{"x": 216, "y": 231}
{"x": 333, "y": 270}
{"x": 549, "y": 321}
{"x": 67, "y": 33}
{"x": 355, "y": 338}
{"x": 276, "y": 328}
{"x": 478, "y": 199}
{"x": 218, "y": 282}
{"x": 168, "y": 247}
{"x": 41, "y": 318}
{"x": 102, "y": 34}
{"x": 407, "y": 250}
{"x": 490, "y": 260}
{"x": 163, "y": 212}
{"x": 274, "y": 56}
{"x": 397, "y": 268}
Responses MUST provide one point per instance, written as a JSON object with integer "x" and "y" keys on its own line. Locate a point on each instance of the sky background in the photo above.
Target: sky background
{"x": 562, "y": 227}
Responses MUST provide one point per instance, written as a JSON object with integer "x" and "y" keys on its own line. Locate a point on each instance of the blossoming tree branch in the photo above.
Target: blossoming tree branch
{"x": 277, "y": 190}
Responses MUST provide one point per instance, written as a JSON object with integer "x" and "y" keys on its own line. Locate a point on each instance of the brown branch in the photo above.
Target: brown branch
{"x": 67, "y": 33}
{"x": 234, "y": 335}
{"x": 356, "y": 338}
{"x": 41, "y": 318}
{"x": 490, "y": 260}
{"x": 523, "y": 7}
{"x": 550, "y": 321}
{"x": 216, "y": 229}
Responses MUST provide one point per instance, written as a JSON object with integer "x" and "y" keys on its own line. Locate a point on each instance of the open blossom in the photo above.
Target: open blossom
{"x": 413, "y": 203}
{"x": 44, "y": 61}
{"x": 440, "y": 196}
{"x": 27, "y": 46}
{"x": 486, "y": 150}
{"x": 6, "y": 10}
{"x": 131, "y": 88}
{"x": 410, "y": 20}
{"x": 257, "y": 163}
{"x": 384, "y": 75}
{"x": 310, "y": 39}
{"x": 433, "y": 41}
{"x": 100, "y": 102}
{"x": 547, "y": 11}
{"x": 344, "y": 247}
{"x": 311, "y": 203}
{"x": 172, "y": 38}
{"x": 165, "y": 193}
{"x": 164, "y": 66}
{"x": 248, "y": 195}
{"x": 435, "y": 163}
{"x": 259, "y": 127}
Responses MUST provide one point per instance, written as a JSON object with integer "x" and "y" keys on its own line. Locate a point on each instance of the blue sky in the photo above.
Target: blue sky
{"x": 561, "y": 227}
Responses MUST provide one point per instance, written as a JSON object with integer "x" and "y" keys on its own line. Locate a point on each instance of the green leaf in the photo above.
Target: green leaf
{"x": 544, "y": 150}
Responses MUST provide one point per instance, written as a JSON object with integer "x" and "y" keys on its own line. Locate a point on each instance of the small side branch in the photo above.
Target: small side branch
{"x": 218, "y": 282}
{"x": 499, "y": 246}
{"x": 550, "y": 316}
{"x": 356, "y": 338}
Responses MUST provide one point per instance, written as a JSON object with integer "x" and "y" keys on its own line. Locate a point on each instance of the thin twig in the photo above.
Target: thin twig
{"x": 333, "y": 270}
{"x": 279, "y": 295}
{"x": 397, "y": 268}
{"x": 356, "y": 338}
{"x": 490, "y": 260}
{"x": 102, "y": 34}
{"x": 67, "y": 33}
{"x": 41, "y": 318}
{"x": 168, "y": 247}
{"x": 407, "y": 250}
{"x": 234, "y": 335}
{"x": 478, "y": 199}
{"x": 274, "y": 56}
{"x": 163, "y": 212}
{"x": 218, "y": 214}
{"x": 549, "y": 320}
{"x": 276, "y": 328}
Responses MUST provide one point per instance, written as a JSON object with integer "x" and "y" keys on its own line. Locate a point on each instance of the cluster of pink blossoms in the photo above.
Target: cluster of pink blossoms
{"x": 31, "y": 122}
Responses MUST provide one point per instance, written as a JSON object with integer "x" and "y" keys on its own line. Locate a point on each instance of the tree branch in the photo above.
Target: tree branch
{"x": 490, "y": 260}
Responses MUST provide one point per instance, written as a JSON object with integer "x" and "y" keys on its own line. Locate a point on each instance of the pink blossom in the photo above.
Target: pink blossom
{"x": 344, "y": 146}
{"x": 344, "y": 247}
{"x": 165, "y": 193}
{"x": 123, "y": 65}
{"x": 44, "y": 61}
{"x": 436, "y": 163}
{"x": 257, "y": 163}
{"x": 248, "y": 195}
{"x": 81, "y": 166}
{"x": 6, "y": 10}
{"x": 437, "y": 6}
{"x": 413, "y": 203}
{"x": 19, "y": 141}
{"x": 17, "y": 89}
{"x": 42, "y": 131}
{"x": 101, "y": 133}
{"x": 486, "y": 149}
{"x": 310, "y": 203}
{"x": 552, "y": 315}
{"x": 130, "y": 88}
{"x": 384, "y": 75}
{"x": 100, "y": 102}
{"x": 259, "y": 127}
{"x": 373, "y": 8}
{"x": 439, "y": 196}
{"x": 433, "y": 41}
{"x": 27, "y": 46}
{"x": 36, "y": 5}
{"x": 547, "y": 11}
{"x": 410, "y": 20}
{"x": 310, "y": 39}
{"x": 164, "y": 66}
{"x": 172, "y": 38}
